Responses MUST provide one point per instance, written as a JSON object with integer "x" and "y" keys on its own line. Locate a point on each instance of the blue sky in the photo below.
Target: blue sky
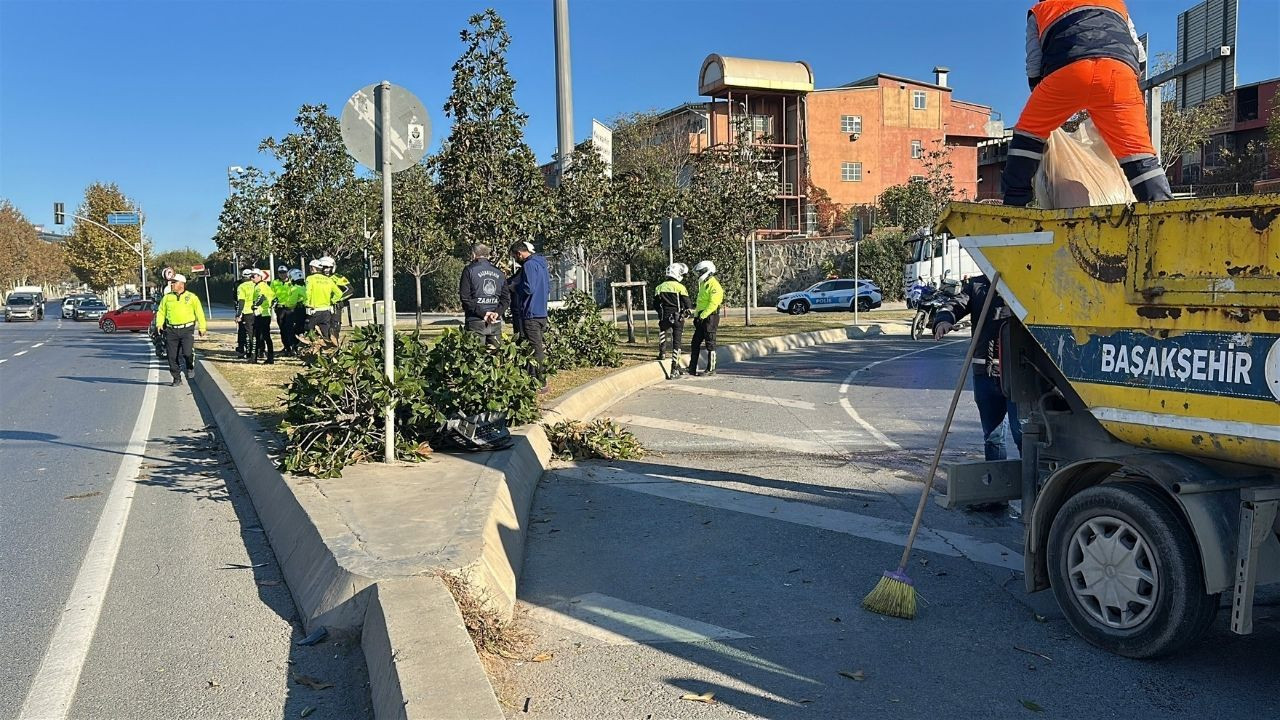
{"x": 161, "y": 97}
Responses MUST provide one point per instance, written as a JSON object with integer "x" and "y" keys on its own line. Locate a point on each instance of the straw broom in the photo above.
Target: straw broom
{"x": 894, "y": 594}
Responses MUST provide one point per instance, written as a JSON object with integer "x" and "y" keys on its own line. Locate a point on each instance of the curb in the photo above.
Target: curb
{"x": 421, "y": 661}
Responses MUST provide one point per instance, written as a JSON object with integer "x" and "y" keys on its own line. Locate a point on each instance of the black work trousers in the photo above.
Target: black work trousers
{"x": 318, "y": 322}
{"x": 262, "y": 339}
{"x": 335, "y": 323}
{"x": 533, "y": 331}
{"x": 491, "y": 332}
{"x": 670, "y": 336}
{"x": 244, "y": 333}
{"x": 180, "y": 343}
{"x": 704, "y": 333}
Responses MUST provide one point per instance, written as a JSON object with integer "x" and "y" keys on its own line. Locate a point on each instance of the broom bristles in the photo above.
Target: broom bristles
{"x": 894, "y": 596}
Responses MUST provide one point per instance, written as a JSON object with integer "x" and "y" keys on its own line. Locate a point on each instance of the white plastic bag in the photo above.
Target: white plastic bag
{"x": 1079, "y": 170}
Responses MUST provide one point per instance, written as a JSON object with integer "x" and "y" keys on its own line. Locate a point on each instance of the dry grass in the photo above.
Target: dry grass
{"x": 493, "y": 637}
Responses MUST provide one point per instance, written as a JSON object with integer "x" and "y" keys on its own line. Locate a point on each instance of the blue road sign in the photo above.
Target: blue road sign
{"x": 122, "y": 218}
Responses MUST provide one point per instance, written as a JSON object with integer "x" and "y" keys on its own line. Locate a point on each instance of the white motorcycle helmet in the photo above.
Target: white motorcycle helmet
{"x": 705, "y": 269}
{"x": 246, "y": 273}
{"x": 677, "y": 271}
{"x": 295, "y": 275}
{"x": 328, "y": 265}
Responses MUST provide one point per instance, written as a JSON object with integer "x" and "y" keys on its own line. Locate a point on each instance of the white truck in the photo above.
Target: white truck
{"x": 936, "y": 257}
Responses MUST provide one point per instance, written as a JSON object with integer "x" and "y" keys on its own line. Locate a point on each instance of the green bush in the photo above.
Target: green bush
{"x": 460, "y": 374}
{"x": 580, "y": 337}
{"x": 335, "y": 405}
{"x": 604, "y": 438}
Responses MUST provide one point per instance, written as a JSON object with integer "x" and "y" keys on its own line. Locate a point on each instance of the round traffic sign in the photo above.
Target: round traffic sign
{"x": 361, "y": 130}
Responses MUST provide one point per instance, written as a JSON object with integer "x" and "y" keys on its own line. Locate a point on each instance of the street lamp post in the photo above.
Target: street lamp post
{"x": 232, "y": 171}
{"x": 139, "y": 249}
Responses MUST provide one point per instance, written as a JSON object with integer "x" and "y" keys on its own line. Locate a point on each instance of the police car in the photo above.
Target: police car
{"x": 835, "y": 294}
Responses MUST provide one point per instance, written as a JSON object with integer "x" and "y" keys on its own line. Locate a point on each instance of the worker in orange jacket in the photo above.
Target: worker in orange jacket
{"x": 1084, "y": 55}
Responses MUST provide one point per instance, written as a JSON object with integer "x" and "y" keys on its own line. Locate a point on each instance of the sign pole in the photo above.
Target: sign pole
{"x": 388, "y": 297}
{"x": 142, "y": 252}
{"x": 857, "y": 282}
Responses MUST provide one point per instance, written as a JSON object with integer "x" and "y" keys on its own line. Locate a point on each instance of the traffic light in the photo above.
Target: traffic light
{"x": 59, "y": 217}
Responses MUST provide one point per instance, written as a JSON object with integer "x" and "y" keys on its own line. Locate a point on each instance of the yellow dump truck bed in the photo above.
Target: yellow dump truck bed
{"x": 1165, "y": 317}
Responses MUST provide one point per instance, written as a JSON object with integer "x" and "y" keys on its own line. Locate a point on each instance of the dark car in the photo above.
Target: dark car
{"x": 134, "y": 317}
{"x": 90, "y": 310}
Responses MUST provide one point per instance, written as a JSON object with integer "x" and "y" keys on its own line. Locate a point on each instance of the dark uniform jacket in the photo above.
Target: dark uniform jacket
{"x": 969, "y": 301}
{"x": 483, "y": 289}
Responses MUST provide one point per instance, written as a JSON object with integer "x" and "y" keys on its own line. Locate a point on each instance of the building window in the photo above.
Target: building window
{"x": 917, "y": 178}
{"x": 851, "y": 123}
{"x": 919, "y": 100}
{"x": 1214, "y": 149}
{"x": 851, "y": 171}
{"x": 917, "y": 149}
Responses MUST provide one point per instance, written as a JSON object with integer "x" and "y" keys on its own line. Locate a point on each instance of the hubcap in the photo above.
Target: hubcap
{"x": 1113, "y": 572}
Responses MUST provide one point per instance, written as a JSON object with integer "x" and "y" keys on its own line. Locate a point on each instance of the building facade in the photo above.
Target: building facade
{"x": 1249, "y": 109}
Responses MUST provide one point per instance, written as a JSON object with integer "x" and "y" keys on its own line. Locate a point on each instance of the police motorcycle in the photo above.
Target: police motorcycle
{"x": 927, "y": 308}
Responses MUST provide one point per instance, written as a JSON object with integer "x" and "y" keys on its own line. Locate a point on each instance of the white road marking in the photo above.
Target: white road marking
{"x": 20, "y": 353}
{"x": 54, "y": 686}
{"x": 853, "y": 413}
{"x": 760, "y": 440}
{"x": 4, "y": 360}
{"x": 871, "y": 429}
{"x": 731, "y": 395}
{"x": 618, "y": 622}
{"x": 36, "y": 345}
{"x": 694, "y": 491}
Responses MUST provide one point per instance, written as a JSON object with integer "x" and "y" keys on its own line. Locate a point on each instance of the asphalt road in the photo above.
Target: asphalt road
{"x": 733, "y": 561}
{"x": 122, "y": 594}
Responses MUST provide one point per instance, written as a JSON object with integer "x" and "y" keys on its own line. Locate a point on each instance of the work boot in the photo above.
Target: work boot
{"x": 177, "y": 380}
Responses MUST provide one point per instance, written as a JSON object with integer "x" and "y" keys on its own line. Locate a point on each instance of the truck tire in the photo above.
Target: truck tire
{"x": 1126, "y": 571}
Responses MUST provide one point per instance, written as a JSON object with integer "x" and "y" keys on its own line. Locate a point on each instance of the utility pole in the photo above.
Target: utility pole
{"x": 564, "y": 113}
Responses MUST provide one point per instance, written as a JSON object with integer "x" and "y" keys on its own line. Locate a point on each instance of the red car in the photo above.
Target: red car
{"x": 134, "y": 317}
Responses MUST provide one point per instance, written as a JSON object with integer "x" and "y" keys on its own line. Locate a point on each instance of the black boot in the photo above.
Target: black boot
{"x": 1147, "y": 178}
{"x": 1025, "y": 154}
{"x": 177, "y": 380}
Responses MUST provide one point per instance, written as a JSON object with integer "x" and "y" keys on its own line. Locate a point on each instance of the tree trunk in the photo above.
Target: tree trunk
{"x": 417, "y": 292}
{"x": 631, "y": 321}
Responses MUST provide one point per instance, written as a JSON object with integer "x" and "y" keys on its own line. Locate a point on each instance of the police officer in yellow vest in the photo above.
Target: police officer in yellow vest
{"x": 244, "y": 319}
{"x": 322, "y": 294}
{"x": 329, "y": 266}
{"x": 262, "y": 307}
{"x": 279, "y": 286}
{"x": 179, "y": 317}
{"x": 671, "y": 300}
{"x": 288, "y": 306}
{"x": 706, "y": 316}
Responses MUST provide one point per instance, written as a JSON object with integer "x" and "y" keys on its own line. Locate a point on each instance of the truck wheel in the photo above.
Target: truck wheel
{"x": 798, "y": 307}
{"x": 1126, "y": 571}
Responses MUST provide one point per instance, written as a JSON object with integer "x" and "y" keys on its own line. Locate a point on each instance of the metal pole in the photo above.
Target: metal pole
{"x": 746, "y": 311}
{"x": 207, "y": 301}
{"x": 857, "y": 282}
{"x": 142, "y": 253}
{"x": 388, "y": 303}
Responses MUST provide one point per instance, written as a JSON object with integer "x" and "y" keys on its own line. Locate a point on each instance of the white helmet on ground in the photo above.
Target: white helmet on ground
{"x": 677, "y": 271}
{"x": 705, "y": 269}
{"x": 296, "y": 275}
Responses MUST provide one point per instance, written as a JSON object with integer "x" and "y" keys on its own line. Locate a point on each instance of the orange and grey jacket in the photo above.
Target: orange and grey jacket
{"x": 1060, "y": 32}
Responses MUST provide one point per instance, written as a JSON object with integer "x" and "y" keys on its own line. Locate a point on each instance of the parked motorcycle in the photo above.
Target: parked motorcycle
{"x": 927, "y": 308}
{"x": 920, "y": 290}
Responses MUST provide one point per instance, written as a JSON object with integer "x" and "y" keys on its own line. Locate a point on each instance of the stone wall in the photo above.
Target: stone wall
{"x": 783, "y": 266}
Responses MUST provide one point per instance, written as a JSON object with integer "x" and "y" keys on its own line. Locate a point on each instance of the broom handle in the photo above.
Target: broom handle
{"x": 946, "y": 427}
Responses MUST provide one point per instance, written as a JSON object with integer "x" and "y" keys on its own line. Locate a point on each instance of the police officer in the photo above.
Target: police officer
{"x": 244, "y": 319}
{"x": 319, "y": 298}
{"x": 330, "y": 266}
{"x": 993, "y": 406}
{"x": 179, "y": 316}
{"x": 264, "y": 302}
{"x": 706, "y": 316}
{"x": 278, "y": 286}
{"x": 288, "y": 300}
{"x": 484, "y": 295}
{"x": 672, "y": 301}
